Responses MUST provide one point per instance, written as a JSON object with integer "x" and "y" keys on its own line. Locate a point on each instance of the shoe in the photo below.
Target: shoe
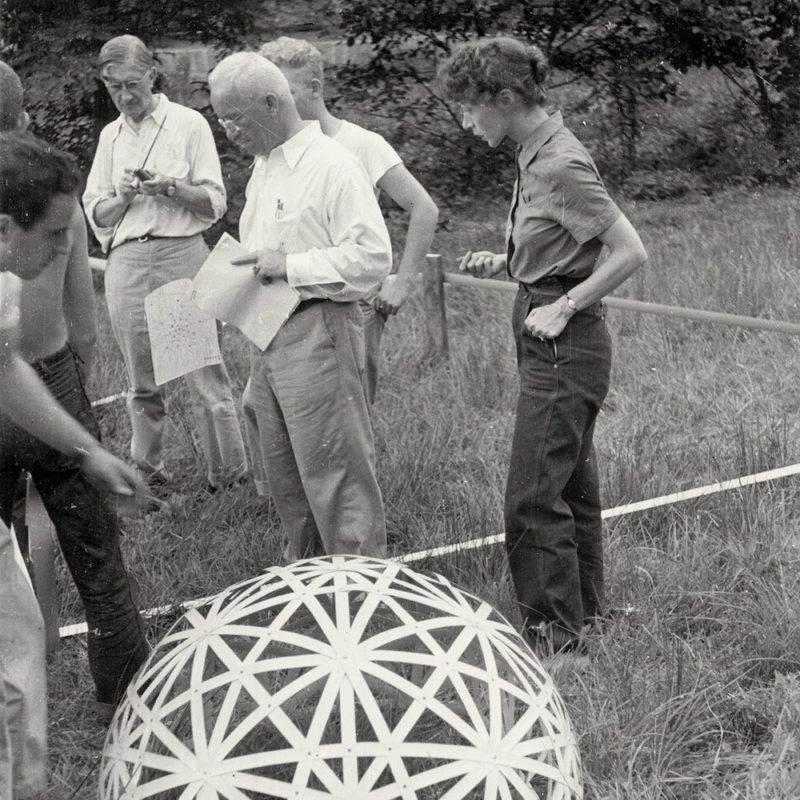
{"x": 548, "y": 640}
{"x": 104, "y": 712}
{"x": 236, "y": 483}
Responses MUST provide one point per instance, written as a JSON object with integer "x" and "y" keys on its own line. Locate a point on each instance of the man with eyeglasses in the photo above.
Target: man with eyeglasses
{"x": 154, "y": 187}
{"x": 310, "y": 218}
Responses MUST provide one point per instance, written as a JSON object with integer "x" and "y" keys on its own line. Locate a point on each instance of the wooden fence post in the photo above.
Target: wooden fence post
{"x": 41, "y": 544}
{"x": 435, "y": 309}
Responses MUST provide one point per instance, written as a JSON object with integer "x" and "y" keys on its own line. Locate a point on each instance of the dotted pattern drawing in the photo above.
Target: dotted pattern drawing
{"x": 342, "y": 677}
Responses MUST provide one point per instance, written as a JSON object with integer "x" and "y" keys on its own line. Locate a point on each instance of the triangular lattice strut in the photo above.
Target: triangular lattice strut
{"x": 342, "y": 677}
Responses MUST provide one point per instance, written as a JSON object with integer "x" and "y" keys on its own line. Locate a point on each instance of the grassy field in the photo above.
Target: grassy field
{"x": 696, "y": 693}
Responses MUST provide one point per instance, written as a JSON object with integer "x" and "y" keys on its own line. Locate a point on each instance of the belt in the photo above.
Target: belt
{"x": 148, "y": 237}
{"x": 307, "y": 303}
{"x": 45, "y": 364}
{"x": 561, "y": 283}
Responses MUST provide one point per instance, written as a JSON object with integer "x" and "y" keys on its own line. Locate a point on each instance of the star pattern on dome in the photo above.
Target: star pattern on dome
{"x": 342, "y": 677}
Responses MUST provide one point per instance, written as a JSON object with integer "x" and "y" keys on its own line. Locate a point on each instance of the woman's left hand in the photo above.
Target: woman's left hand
{"x": 547, "y": 322}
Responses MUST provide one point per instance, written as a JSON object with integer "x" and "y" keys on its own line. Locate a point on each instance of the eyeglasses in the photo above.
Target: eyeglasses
{"x": 229, "y": 126}
{"x": 115, "y": 87}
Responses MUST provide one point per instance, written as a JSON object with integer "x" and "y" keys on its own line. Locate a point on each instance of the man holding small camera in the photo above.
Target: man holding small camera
{"x": 154, "y": 187}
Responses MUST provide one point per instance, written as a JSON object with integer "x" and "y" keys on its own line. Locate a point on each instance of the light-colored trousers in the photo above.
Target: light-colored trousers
{"x": 23, "y": 696}
{"x": 308, "y": 423}
{"x": 134, "y": 270}
{"x": 374, "y": 323}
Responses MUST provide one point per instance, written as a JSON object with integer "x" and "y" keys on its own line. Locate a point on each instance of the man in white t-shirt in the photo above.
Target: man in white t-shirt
{"x": 302, "y": 65}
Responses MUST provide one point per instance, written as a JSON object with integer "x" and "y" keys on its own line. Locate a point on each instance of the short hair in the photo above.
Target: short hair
{"x": 249, "y": 74}
{"x": 476, "y": 72}
{"x": 10, "y": 97}
{"x": 125, "y": 49}
{"x": 287, "y": 52}
{"x": 31, "y": 173}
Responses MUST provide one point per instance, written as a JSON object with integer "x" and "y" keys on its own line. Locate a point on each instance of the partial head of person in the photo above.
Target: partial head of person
{"x": 128, "y": 70}
{"x": 253, "y": 103}
{"x": 499, "y": 83}
{"x": 37, "y": 201}
{"x": 13, "y": 117}
{"x": 302, "y": 65}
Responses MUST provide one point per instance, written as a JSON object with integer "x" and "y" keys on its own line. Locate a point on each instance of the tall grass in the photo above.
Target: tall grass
{"x": 694, "y": 694}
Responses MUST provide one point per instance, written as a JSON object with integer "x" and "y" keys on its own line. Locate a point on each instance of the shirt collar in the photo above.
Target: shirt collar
{"x": 158, "y": 113}
{"x": 294, "y": 147}
{"x": 540, "y": 136}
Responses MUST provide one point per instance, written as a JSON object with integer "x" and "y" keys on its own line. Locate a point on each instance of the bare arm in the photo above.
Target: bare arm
{"x": 626, "y": 254}
{"x": 410, "y": 195}
{"x": 79, "y": 301}
{"x": 27, "y": 401}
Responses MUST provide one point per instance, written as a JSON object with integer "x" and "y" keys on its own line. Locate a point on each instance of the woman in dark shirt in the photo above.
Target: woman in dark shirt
{"x": 561, "y": 217}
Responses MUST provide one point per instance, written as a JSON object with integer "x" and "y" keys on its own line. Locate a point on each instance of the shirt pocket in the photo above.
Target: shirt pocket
{"x": 176, "y": 168}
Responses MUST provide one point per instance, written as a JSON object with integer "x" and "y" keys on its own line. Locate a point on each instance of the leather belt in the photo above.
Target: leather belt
{"x": 307, "y": 303}
{"x": 148, "y": 237}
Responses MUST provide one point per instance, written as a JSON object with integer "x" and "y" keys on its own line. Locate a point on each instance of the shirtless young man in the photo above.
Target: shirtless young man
{"x": 37, "y": 204}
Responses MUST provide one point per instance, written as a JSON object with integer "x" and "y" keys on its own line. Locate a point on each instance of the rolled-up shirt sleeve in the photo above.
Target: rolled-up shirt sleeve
{"x": 100, "y": 186}
{"x": 360, "y": 254}
{"x": 206, "y": 170}
{"x": 581, "y": 202}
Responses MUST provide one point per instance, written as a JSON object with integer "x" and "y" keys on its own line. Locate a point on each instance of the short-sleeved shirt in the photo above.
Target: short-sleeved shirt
{"x": 182, "y": 148}
{"x": 373, "y": 151}
{"x": 10, "y": 293}
{"x": 560, "y": 207}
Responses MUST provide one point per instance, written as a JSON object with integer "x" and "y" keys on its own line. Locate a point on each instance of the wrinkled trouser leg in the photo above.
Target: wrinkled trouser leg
{"x": 552, "y": 506}
{"x": 23, "y": 695}
{"x": 134, "y": 270}
{"x": 87, "y": 531}
{"x": 374, "y": 323}
{"x": 258, "y": 467}
{"x": 316, "y": 436}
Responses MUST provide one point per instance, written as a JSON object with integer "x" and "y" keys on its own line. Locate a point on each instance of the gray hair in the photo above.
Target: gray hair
{"x": 10, "y": 97}
{"x": 125, "y": 49}
{"x": 250, "y": 74}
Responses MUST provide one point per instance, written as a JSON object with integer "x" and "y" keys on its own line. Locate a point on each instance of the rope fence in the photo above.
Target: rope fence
{"x": 434, "y": 278}
{"x": 472, "y": 544}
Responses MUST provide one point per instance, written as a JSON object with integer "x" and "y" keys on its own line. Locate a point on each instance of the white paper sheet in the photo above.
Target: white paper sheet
{"x": 183, "y": 338}
{"x": 236, "y": 296}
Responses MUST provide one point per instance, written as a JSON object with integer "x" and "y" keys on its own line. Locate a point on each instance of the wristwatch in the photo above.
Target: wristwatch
{"x": 571, "y": 303}
{"x": 171, "y": 189}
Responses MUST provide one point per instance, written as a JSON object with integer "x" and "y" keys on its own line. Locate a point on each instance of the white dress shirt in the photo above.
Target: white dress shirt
{"x": 311, "y": 199}
{"x": 184, "y": 149}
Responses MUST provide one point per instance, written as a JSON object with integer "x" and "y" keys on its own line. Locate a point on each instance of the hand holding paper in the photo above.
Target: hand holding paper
{"x": 236, "y": 296}
{"x": 268, "y": 265}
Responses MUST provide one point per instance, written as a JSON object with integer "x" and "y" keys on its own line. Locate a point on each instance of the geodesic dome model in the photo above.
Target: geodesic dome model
{"x": 342, "y": 677}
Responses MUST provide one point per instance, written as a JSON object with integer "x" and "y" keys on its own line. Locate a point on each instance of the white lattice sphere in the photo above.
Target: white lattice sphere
{"x": 342, "y": 677}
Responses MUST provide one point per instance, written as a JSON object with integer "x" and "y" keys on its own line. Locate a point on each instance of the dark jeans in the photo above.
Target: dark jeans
{"x": 87, "y": 530}
{"x": 552, "y": 505}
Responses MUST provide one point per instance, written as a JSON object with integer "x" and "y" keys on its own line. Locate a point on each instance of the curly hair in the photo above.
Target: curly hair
{"x": 476, "y": 72}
